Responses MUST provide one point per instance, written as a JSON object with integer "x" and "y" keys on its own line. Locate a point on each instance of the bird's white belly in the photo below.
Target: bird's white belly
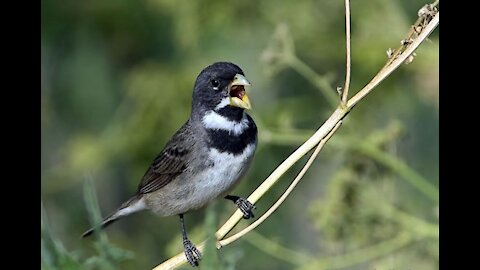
{"x": 227, "y": 169}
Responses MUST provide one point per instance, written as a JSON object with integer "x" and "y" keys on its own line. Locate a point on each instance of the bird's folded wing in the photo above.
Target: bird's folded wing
{"x": 167, "y": 166}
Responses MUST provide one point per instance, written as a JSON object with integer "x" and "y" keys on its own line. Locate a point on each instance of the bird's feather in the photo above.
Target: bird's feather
{"x": 170, "y": 163}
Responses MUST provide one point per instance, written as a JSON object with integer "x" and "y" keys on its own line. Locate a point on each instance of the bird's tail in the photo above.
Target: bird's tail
{"x": 131, "y": 206}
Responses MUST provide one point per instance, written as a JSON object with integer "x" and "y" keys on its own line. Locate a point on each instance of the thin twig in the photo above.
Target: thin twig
{"x": 349, "y": 61}
{"x": 314, "y": 140}
{"x": 395, "y": 63}
{"x": 284, "y": 195}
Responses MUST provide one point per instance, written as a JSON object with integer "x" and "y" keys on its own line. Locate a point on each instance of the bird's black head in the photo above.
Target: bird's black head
{"x": 220, "y": 86}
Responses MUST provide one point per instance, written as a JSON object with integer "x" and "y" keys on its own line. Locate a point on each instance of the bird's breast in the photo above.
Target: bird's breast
{"x": 224, "y": 171}
{"x": 226, "y": 167}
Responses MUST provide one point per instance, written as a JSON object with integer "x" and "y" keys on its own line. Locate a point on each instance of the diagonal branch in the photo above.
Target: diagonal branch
{"x": 284, "y": 195}
{"x": 332, "y": 122}
{"x": 389, "y": 68}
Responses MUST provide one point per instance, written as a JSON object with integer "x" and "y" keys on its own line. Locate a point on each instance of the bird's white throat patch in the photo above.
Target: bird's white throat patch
{"x": 213, "y": 120}
{"x": 225, "y": 102}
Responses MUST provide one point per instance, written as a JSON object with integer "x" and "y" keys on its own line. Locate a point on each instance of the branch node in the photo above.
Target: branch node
{"x": 390, "y": 52}
{"x": 339, "y": 90}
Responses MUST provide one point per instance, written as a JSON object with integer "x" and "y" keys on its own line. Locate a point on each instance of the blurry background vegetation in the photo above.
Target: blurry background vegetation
{"x": 116, "y": 82}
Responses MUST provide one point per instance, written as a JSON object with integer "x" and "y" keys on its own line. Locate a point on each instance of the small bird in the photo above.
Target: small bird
{"x": 205, "y": 158}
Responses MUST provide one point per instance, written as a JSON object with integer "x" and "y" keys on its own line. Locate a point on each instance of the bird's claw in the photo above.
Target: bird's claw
{"x": 246, "y": 207}
{"x": 192, "y": 253}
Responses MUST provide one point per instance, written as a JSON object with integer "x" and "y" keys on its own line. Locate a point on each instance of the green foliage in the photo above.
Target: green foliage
{"x": 54, "y": 255}
{"x": 116, "y": 84}
{"x": 109, "y": 255}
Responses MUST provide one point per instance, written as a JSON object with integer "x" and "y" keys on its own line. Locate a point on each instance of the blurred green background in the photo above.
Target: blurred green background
{"x": 117, "y": 78}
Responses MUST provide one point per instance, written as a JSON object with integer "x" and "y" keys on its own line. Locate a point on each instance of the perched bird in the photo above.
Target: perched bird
{"x": 207, "y": 156}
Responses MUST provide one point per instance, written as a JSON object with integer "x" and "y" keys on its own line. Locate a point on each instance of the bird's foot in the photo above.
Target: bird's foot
{"x": 246, "y": 207}
{"x": 191, "y": 252}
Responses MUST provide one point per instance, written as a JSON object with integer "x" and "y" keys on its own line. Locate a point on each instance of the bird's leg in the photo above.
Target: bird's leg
{"x": 191, "y": 252}
{"x": 243, "y": 204}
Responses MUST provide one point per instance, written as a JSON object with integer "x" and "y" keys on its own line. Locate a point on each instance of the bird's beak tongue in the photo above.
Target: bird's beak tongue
{"x": 237, "y": 93}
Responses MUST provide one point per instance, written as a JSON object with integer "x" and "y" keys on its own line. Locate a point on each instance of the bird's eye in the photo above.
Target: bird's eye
{"x": 215, "y": 84}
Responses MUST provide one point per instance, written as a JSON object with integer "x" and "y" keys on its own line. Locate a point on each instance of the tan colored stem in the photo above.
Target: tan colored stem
{"x": 284, "y": 195}
{"x": 314, "y": 140}
{"x": 348, "y": 50}
{"x": 395, "y": 63}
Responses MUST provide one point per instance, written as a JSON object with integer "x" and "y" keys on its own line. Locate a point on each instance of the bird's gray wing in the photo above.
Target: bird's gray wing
{"x": 170, "y": 163}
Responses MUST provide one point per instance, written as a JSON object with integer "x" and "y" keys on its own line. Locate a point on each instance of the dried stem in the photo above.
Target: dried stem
{"x": 331, "y": 124}
{"x": 284, "y": 195}
{"x": 348, "y": 50}
{"x": 395, "y": 63}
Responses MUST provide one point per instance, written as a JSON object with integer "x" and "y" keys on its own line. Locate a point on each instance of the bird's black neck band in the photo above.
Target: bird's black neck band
{"x": 225, "y": 141}
{"x": 231, "y": 113}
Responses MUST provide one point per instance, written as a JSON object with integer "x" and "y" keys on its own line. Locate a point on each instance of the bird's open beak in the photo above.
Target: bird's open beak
{"x": 236, "y": 91}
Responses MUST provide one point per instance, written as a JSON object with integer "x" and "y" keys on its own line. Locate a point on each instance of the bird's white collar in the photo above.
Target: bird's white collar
{"x": 213, "y": 120}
